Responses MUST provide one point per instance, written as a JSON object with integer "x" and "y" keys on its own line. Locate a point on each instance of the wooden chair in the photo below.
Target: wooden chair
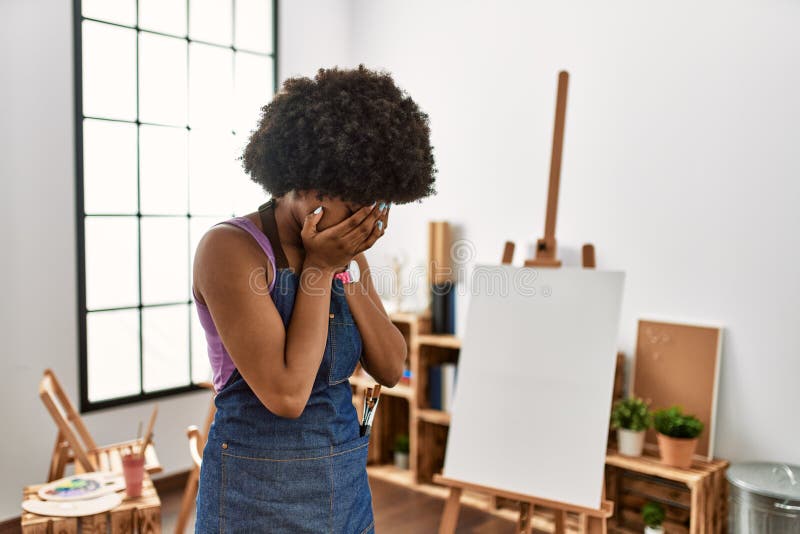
{"x": 197, "y": 442}
{"x": 74, "y": 443}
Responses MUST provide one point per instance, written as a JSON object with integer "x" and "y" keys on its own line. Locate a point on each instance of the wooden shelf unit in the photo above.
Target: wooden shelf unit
{"x": 406, "y": 409}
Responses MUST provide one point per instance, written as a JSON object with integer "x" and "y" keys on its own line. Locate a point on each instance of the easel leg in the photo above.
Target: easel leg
{"x": 59, "y": 460}
{"x": 525, "y": 517}
{"x": 583, "y": 523}
{"x": 559, "y": 521}
{"x": 597, "y": 525}
{"x": 450, "y": 514}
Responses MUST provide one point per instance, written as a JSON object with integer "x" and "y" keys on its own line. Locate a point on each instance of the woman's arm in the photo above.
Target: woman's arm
{"x": 230, "y": 275}
{"x": 384, "y": 345}
{"x": 278, "y": 364}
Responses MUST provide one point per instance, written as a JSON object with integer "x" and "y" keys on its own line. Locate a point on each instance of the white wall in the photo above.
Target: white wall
{"x": 39, "y": 310}
{"x": 313, "y": 34}
{"x": 680, "y": 164}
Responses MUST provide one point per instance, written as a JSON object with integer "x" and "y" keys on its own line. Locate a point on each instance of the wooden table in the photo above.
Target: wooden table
{"x": 140, "y": 515}
{"x": 695, "y": 499}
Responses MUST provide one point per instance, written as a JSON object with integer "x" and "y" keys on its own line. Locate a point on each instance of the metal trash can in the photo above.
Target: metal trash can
{"x": 764, "y": 498}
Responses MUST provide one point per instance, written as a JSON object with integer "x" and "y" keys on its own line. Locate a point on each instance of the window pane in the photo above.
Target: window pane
{"x": 163, "y": 177}
{"x": 162, "y": 79}
{"x": 165, "y": 355}
{"x": 210, "y": 86}
{"x": 201, "y": 368}
{"x": 113, "y": 353}
{"x": 109, "y": 71}
{"x": 247, "y": 195}
{"x": 119, "y": 11}
{"x": 254, "y": 25}
{"x": 167, "y": 16}
{"x": 111, "y": 262}
{"x": 109, "y": 167}
{"x": 165, "y": 260}
{"x": 210, "y": 172}
{"x": 254, "y": 89}
{"x": 211, "y": 20}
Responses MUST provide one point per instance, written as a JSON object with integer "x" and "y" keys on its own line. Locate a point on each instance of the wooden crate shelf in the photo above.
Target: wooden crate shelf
{"x": 363, "y": 382}
{"x": 405, "y": 408}
{"x": 695, "y": 499}
{"x": 134, "y": 514}
{"x": 445, "y": 341}
{"x": 438, "y": 417}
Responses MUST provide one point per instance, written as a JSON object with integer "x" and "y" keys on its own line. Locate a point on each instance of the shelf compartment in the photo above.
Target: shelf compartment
{"x": 445, "y": 341}
{"x": 363, "y": 382}
{"x": 438, "y": 417}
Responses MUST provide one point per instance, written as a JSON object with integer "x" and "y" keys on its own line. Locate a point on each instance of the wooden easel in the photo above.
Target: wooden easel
{"x": 74, "y": 444}
{"x": 590, "y": 521}
{"x": 546, "y": 246}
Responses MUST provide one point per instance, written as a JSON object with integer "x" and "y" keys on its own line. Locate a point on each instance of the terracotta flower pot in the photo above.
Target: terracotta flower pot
{"x": 676, "y": 452}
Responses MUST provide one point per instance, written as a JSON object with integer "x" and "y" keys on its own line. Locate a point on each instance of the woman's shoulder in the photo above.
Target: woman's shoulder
{"x": 231, "y": 247}
{"x": 231, "y": 235}
{"x": 239, "y": 232}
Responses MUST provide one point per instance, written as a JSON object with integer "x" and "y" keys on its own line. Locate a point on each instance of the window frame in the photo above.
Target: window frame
{"x": 86, "y": 405}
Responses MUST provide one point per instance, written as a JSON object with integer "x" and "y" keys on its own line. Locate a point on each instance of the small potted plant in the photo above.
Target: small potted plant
{"x": 677, "y": 436}
{"x": 401, "y": 451}
{"x": 631, "y": 418}
{"x": 653, "y": 516}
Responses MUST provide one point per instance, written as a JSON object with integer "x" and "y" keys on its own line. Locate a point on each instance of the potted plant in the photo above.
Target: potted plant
{"x": 631, "y": 418}
{"x": 677, "y": 436}
{"x": 653, "y": 515}
{"x": 401, "y": 451}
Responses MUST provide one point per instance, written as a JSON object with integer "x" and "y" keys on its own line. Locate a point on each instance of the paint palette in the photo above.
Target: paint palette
{"x": 82, "y": 487}
{"x": 75, "y": 508}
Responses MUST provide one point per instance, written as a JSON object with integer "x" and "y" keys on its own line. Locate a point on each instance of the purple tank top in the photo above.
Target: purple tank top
{"x": 221, "y": 364}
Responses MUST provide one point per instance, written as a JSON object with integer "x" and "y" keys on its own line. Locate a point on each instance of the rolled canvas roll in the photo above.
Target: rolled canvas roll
{"x": 440, "y": 278}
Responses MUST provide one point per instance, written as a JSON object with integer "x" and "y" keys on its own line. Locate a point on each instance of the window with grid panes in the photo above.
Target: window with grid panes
{"x": 167, "y": 92}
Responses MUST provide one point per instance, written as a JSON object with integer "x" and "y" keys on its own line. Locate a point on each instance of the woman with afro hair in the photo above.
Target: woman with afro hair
{"x": 288, "y": 308}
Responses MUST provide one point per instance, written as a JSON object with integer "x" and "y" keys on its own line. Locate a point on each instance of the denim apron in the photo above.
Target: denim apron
{"x": 266, "y": 473}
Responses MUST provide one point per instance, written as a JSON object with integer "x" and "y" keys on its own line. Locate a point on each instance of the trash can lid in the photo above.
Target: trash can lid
{"x": 780, "y": 481}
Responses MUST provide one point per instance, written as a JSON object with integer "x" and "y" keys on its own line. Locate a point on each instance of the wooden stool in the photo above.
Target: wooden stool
{"x": 141, "y": 514}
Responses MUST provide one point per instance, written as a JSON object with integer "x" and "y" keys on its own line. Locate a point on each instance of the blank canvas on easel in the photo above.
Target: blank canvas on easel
{"x": 535, "y": 379}
{"x": 678, "y": 364}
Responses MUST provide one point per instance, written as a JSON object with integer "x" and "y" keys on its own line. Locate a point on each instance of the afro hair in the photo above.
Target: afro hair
{"x": 351, "y": 134}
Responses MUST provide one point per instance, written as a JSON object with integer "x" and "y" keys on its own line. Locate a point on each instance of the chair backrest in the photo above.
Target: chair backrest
{"x": 67, "y": 419}
{"x": 197, "y": 441}
{"x": 212, "y": 410}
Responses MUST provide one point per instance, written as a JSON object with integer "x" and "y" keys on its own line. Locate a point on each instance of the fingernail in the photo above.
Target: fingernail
{"x": 319, "y": 209}
{"x": 380, "y": 225}
{"x": 382, "y": 206}
{"x": 373, "y": 204}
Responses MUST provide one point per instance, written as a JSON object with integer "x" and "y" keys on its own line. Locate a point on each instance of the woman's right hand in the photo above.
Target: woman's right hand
{"x": 334, "y": 247}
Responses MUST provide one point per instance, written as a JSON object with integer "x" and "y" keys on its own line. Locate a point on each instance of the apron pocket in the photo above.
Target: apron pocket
{"x": 344, "y": 350}
{"x": 352, "y": 503}
{"x": 278, "y": 492}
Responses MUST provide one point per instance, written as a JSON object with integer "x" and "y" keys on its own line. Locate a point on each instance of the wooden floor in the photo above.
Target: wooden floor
{"x": 398, "y": 510}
